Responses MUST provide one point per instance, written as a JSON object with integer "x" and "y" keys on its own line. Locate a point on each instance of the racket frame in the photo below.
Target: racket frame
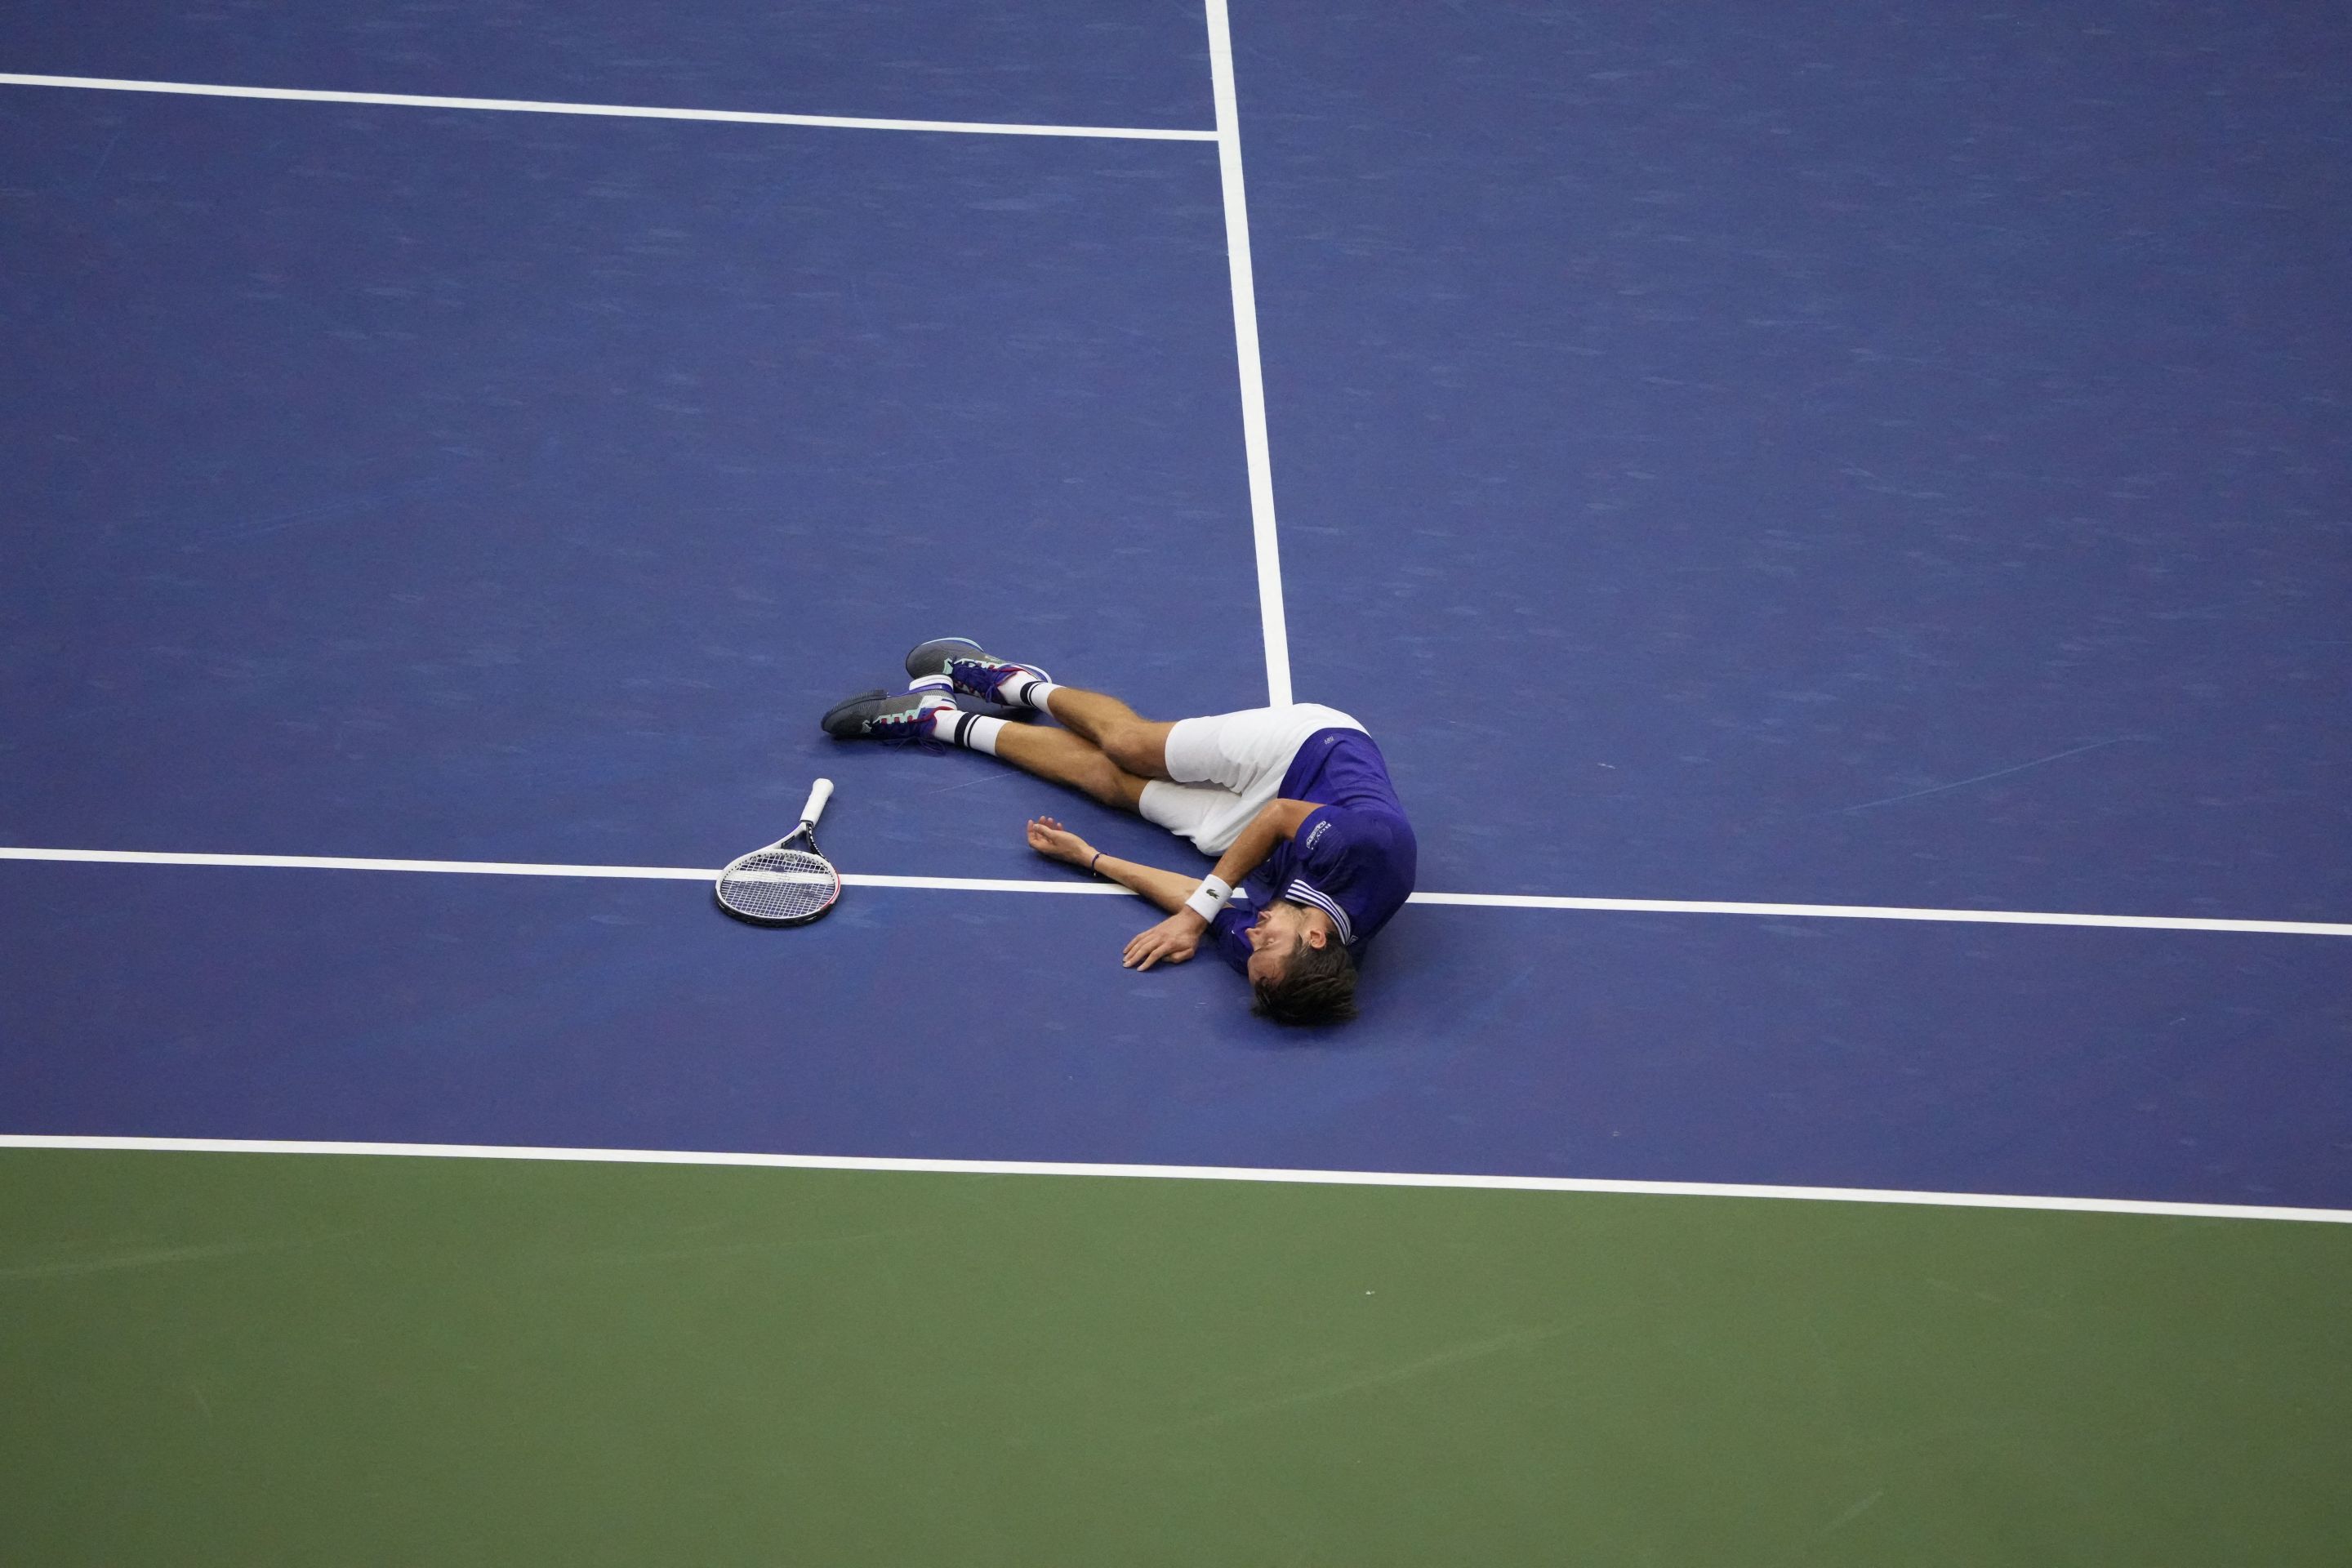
{"x": 819, "y": 794}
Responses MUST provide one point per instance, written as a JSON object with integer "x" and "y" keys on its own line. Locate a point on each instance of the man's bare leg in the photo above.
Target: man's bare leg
{"x": 1064, "y": 757}
{"x": 1137, "y": 745}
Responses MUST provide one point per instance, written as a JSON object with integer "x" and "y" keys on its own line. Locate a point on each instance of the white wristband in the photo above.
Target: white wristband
{"x": 1209, "y": 898}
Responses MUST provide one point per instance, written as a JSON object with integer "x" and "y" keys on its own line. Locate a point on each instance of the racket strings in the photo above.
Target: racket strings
{"x": 779, "y": 885}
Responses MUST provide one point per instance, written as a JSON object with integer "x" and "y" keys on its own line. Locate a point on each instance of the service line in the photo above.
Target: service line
{"x": 1071, "y": 885}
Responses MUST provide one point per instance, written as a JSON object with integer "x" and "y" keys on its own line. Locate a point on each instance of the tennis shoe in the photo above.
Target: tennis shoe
{"x": 973, "y": 668}
{"x": 888, "y": 716}
{"x": 880, "y": 715}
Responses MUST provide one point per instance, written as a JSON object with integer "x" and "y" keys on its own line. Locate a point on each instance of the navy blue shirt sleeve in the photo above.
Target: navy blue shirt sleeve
{"x": 1322, "y": 870}
{"x": 1355, "y": 864}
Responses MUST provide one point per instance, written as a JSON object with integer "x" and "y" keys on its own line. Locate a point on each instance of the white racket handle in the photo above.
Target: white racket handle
{"x": 817, "y": 797}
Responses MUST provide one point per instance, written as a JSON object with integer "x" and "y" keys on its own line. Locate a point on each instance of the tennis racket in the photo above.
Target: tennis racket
{"x": 790, "y": 882}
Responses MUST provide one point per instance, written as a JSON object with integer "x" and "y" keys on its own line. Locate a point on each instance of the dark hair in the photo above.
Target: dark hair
{"x": 1317, "y": 986}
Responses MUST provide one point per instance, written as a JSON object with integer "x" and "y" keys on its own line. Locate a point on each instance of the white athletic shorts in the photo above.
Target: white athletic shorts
{"x": 1227, "y": 767}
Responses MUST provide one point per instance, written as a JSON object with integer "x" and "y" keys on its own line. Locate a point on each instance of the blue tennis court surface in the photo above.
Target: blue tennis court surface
{"x": 1884, "y": 459}
{"x": 501, "y": 474}
{"x": 1719, "y": 428}
{"x": 374, "y": 1006}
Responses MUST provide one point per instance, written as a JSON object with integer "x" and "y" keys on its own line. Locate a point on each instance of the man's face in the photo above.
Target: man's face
{"x": 1279, "y": 928}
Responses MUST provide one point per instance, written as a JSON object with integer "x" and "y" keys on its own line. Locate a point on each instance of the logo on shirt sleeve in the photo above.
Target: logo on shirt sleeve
{"x": 1321, "y": 828}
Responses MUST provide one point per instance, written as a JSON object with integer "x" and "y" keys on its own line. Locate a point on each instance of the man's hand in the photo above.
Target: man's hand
{"x": 1050, "y": 839}
{"x": 1173, "y": 941}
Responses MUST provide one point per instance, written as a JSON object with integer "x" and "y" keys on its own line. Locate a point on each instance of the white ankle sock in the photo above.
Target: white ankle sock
{"x": 1031, "y": 692}
{"x": 977, "y": 730}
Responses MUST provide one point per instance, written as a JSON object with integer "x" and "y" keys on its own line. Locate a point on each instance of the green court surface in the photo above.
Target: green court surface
{"x": 244, "y": 1358}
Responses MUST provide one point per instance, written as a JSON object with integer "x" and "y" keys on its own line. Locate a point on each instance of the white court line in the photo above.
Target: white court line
{"x": 1254, "y": 442}
{"x": 1009, "y": 884}
{"x": 1881, "y": 913}
{"x": 1188, "y": 1174}
{"x": 529, "y": 868}
{"x": 613, "y": 110}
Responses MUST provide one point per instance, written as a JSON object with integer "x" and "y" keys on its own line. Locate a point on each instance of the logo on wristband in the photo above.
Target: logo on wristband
{"x": 1209, "y": 898}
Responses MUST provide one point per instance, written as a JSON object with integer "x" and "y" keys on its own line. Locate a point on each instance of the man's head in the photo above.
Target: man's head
{"x": 1298, "y": 967}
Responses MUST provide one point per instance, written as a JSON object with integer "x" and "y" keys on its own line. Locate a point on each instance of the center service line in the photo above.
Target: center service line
{"x": 1254, "y": 442}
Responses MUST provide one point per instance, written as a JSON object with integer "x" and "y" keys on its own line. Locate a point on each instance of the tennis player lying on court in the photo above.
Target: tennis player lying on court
{"x": 1314, "y": 853}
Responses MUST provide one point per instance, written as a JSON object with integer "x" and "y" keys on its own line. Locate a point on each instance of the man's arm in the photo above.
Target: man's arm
{"x": 1178, "y": 937}
{"x": 1168, "y": 890}
{"x": 1275, "y": 821}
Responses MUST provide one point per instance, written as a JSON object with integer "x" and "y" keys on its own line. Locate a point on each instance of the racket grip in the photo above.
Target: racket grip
{"x": 817, "y": 797}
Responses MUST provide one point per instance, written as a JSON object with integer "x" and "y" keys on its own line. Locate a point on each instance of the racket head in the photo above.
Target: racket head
{"x": 778, "y": 886}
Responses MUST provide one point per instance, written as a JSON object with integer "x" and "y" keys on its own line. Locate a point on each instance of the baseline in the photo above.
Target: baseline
{"x": 1188, "y": 1174}
{"x": 1013, "y": 884}
{"x": 614, "y": 111}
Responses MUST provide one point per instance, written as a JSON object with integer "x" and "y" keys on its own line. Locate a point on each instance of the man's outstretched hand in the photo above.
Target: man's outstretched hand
{"x": 1173, "y": 941}
{"x": 1050, "y": 839}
